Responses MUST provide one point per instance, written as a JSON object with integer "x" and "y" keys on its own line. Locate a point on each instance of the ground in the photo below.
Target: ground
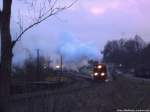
{"x": 87, "y": 96}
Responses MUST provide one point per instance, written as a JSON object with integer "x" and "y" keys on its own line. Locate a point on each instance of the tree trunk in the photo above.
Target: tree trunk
{"x": 6, "y": 50}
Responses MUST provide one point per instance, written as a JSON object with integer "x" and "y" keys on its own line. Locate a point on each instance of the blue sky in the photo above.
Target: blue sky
{"x": 88, "y": 21}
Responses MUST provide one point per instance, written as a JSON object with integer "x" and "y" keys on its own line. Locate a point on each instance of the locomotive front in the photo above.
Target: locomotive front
{"x": 100, "y": 72}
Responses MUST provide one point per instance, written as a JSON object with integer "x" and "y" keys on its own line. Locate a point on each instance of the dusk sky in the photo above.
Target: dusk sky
{"x": 88, "y": 24}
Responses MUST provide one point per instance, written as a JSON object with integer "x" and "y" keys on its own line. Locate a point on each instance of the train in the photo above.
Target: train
{"x": 96, "y": 72}
{"x": 100, "y": 72}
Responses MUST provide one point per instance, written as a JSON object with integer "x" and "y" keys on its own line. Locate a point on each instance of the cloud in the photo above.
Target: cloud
{"x": 95, "y": 7}
{"x": 97, "y": 11}
{"x": 73, "y": 50}
{"x": 96, "y": 20}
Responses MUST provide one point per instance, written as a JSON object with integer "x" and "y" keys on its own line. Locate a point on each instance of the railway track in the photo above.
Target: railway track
{"x": 75, "y": 81}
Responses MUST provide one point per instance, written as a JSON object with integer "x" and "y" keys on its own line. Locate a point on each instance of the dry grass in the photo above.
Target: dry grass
{"x": 84, "y": 96}
{"x": 131, "y": 93}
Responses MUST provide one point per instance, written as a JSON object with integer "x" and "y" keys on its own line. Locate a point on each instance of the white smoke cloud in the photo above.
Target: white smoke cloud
{"x": 75, "y": 51}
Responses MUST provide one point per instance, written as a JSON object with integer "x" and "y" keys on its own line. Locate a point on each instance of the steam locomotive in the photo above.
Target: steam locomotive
{"x": 100, "y": 72}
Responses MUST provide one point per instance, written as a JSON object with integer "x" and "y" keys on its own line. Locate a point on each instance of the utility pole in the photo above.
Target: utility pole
{"x": 38, "y": 64}
{"x": 61, "y": 63}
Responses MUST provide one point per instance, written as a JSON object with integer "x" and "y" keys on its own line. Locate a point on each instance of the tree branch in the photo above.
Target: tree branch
{"x": 42, "y": 17}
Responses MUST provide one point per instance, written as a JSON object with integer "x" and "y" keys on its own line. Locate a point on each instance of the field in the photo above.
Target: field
{"x": 86, "y": 96}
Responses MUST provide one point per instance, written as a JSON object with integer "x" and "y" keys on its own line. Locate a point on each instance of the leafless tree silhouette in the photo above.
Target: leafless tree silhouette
{"x": 41, "y": 10}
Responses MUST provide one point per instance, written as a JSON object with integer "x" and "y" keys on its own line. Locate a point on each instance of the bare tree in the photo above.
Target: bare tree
{"x": 0, "y": 18}
{"x": 41, "y": 10}
{"x": 6, "y": 48}
{"x": 38, "y": 12}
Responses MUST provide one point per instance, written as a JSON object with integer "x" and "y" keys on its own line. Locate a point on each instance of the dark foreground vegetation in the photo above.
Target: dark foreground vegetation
{"x": 84, "y": 96}
{"x": 32, "y": 70}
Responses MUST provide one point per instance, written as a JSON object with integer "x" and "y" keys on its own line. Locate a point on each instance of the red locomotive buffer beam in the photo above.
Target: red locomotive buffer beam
{"x": 100, "y": 72}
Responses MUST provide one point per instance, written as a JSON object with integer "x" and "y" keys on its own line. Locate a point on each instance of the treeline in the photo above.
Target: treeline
{"x": 32, "y": 69}
{"x": 130, "y": 54}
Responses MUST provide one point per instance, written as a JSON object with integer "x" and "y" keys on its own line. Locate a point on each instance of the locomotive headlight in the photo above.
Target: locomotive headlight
{"x": 95, "y": 74}
{"x": 102, "y": 74}
{"x": 99, "y": 66}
